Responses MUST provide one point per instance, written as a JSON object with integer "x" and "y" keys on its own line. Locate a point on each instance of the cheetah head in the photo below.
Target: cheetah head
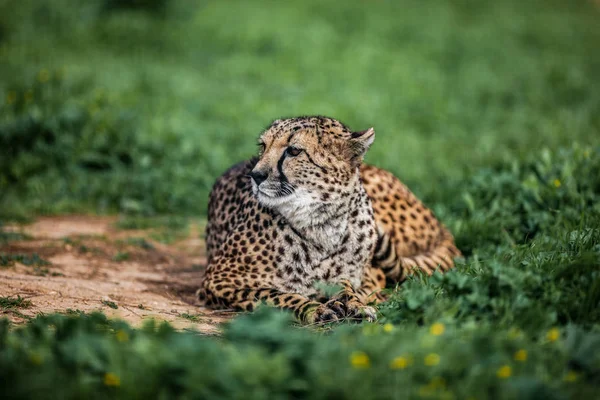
{"x": 307, "y": 162}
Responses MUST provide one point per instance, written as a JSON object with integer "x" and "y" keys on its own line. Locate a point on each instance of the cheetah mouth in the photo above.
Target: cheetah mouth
{"x": 273, "y": 199}
{"x": 277, "y": 195}
{"x": 279, "y": 192}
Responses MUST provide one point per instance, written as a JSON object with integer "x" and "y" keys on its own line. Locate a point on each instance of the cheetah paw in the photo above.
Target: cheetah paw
{"x": 353, "y": 309}
{"x": 357, "y": 310}
{"x": 322, "y": 314}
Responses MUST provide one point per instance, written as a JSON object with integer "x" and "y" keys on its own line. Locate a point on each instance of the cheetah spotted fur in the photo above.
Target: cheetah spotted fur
{"x": 308, "y": 210}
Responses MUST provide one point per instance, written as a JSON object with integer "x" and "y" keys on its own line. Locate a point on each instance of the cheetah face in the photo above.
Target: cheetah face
{"x": 308, "y": 161}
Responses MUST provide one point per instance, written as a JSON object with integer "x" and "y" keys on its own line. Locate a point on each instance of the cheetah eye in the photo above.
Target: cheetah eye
{"x": 293, "y": 151}
{"x": 261, "y": 147}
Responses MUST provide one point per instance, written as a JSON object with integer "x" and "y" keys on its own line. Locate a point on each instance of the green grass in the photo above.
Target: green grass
{"x": 121, "y": 256}
{"x": 165, "y": 228}
{"x": 139, "y": 242}
{"x": 8, "y": 236}
{"x": 34, "y": 260}
{"x": 191, "y": 317}
{"x": 77, "y": 312}
{"x": 110, "y": 304}
{"x": 9, "y": 303}
{"x": 489, "y": 111}
{"x": 170, "y": 222}
{"x": 121, "y": 110}
{"x": 31, "y": 260}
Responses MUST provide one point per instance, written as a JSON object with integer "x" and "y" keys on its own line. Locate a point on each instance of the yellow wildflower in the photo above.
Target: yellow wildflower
{"x": 11, "y": 97}
{"x": 571, "y": 377}
{"x": 504, "y": 372}
{"x": 553, "y": 335}
{"x": 122, "y": 336}
{"x": 437, "y": 329}
{"x": 388, "y": 327}
{"x": 399, "y": 363}
{"x": 521, "y": 355}
{"x": 111, "y": 379}
{"x": 43, "y": 76}
{"x": 432, "y": 359}
{"x": 556, "y": 183}
{"x": 360, "y": 360}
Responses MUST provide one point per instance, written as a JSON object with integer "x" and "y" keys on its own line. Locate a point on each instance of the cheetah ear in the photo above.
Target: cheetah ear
{"x": 360, "y": 143}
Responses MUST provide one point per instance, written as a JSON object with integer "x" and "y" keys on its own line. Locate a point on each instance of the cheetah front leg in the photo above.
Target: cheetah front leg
{"x": 247, "y": 299}
{"x": 223, "y": 286}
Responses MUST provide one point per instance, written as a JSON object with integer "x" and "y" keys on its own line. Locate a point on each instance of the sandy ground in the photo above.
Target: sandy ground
{"x": 96, "y": 267}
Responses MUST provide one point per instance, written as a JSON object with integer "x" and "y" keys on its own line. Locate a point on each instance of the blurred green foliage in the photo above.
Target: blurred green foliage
{"x": 139, "y": 105}
{"x": 261, "y": 356}
{"x": 489, "y": 110}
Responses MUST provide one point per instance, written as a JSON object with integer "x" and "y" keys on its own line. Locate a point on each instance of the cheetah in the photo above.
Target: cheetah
{"x": 308, "y": 210}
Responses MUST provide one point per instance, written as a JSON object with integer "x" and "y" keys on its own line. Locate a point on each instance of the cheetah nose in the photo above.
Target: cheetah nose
{"x": 259, "y": 177}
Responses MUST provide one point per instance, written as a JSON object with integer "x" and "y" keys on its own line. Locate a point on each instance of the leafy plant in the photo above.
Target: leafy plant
{"x": 262, "y": 355}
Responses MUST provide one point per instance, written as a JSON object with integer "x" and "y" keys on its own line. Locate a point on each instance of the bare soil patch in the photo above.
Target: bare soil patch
{"x": 73, "y": 264}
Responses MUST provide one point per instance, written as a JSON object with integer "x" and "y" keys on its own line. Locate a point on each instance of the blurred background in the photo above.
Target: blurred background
{"x": 138, "y": 106}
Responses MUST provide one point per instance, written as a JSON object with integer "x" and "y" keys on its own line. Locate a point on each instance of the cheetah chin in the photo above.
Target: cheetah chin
{"x": 295, "y": 206}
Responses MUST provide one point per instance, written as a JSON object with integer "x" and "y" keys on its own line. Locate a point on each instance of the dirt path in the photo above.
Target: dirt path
{"x": 81, "y": 264}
